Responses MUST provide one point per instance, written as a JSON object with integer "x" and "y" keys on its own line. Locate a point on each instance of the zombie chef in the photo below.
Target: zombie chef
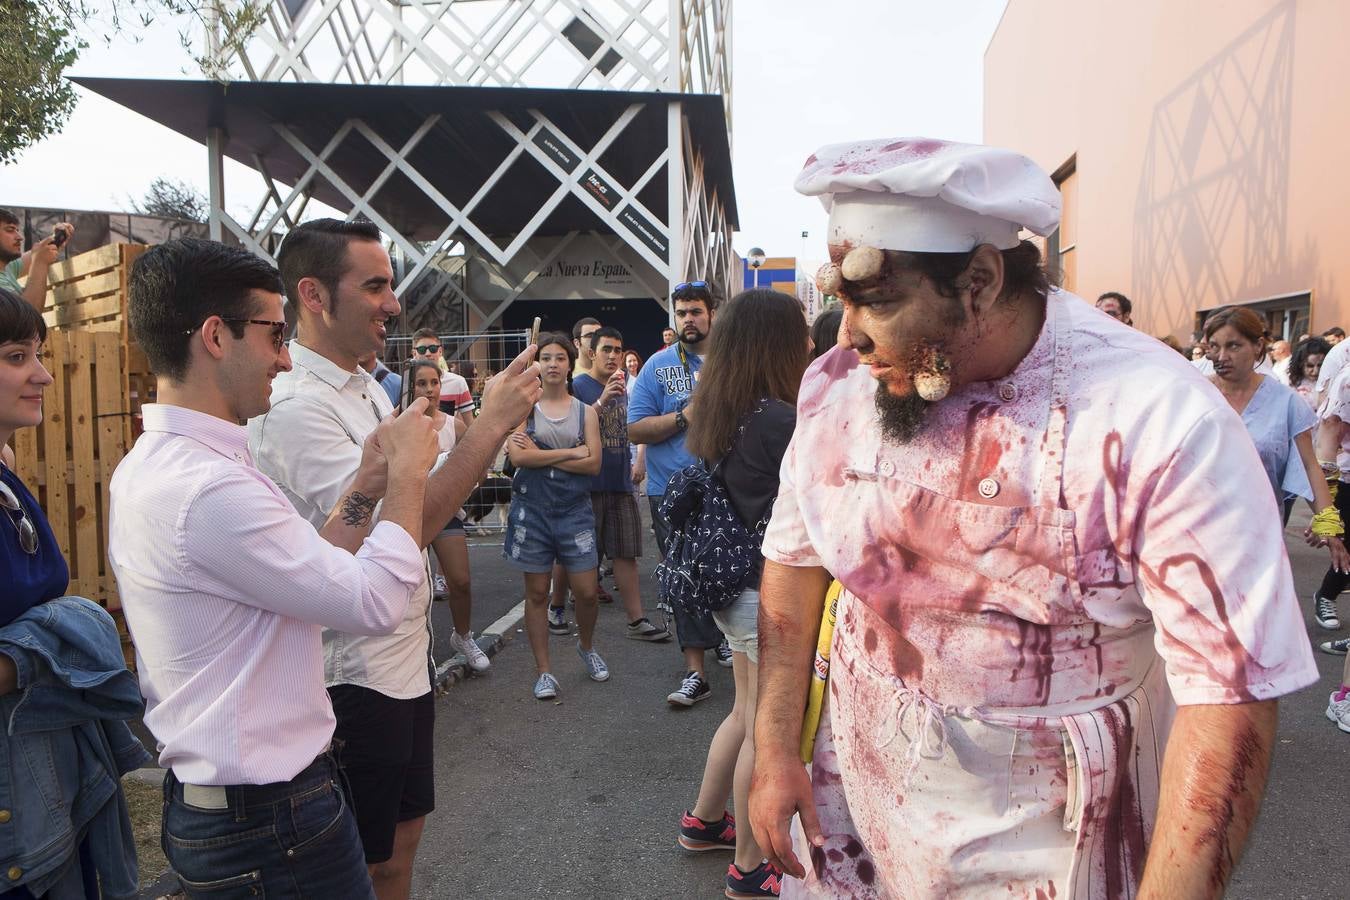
{"x": 1063, "y": 626}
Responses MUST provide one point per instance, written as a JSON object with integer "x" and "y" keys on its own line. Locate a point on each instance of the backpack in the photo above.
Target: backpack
{"x": 710, "y": 553}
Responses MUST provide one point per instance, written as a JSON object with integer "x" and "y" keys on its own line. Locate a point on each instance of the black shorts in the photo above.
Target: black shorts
{"x": 384, "y": 747}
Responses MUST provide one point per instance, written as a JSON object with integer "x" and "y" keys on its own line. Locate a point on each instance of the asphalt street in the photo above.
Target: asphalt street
{"x": 581, "y": 797}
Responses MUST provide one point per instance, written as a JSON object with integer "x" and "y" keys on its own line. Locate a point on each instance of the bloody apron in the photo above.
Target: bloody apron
{"x": 987, "y": 738}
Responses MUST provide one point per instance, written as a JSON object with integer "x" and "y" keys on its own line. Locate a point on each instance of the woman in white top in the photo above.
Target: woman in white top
{"x": 451, "y": 546}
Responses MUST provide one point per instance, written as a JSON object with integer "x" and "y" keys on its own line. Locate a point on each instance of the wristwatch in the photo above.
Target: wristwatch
{"x": 680, "y": 421}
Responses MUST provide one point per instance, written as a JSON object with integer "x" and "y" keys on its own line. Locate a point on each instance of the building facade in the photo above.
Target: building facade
{"x": 1198, "y": 147}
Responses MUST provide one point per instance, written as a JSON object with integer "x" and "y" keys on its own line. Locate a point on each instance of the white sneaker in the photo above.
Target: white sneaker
{"x": 439, "y": 589}
{"x": 1338, "y": 711}
{"x": 469, "y": 649}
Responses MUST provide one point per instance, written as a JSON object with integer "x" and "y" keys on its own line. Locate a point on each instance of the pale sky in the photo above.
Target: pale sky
{"x": 805, "y": 73}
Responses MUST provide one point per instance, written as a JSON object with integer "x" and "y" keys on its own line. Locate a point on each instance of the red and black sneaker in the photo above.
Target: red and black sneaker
{"x": 698, "y": 835}
{"x": 764, "y": 880}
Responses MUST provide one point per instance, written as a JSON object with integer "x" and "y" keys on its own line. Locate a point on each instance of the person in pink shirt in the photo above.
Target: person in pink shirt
{"x": 1058, "y": 648}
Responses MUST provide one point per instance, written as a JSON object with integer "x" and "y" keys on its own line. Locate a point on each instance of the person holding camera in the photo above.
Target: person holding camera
{"x": 34, "y": 263}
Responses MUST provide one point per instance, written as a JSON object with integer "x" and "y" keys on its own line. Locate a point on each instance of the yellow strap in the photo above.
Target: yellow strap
{"x": 1327, "y": 523}
{"x": 820, "y": 673}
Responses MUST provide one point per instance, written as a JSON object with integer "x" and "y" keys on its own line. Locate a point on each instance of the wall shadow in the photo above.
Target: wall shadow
{"x": 1212, "y": 209}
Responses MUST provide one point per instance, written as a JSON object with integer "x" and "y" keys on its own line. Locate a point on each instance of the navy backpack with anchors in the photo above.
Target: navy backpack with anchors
{"x": 710, "y": 554}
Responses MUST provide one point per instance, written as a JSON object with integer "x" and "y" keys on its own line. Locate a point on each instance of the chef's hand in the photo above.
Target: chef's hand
{"x": 779, "y": 789}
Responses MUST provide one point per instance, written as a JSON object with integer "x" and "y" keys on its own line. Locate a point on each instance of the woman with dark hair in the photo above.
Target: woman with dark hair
{"x": 556, "y": 452}
{"x": 743, "y": 416}
{"x": 825, "y": 330}
{"x": 1305, "y": 364}
{"x": 451, "y": 545}
{"x": 66, "y": 818}
{"x": 1280, "y": 424}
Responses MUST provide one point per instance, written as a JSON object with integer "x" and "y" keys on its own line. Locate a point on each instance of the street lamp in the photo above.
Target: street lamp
{"x": 756, "y": 259}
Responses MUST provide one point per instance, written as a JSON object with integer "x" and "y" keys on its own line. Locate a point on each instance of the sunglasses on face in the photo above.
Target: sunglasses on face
{"x": 278, "y": 329}
{"x": 427, "y": 348}
{"x": 28, "y": 539}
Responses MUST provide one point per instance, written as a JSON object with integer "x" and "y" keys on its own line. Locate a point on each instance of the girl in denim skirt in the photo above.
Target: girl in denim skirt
{"x": 555, "y": 451}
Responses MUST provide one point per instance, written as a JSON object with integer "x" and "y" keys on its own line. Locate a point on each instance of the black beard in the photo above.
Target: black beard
{"x": 6, "y": 257}
{"x": 901, "y": 418}
{"x": 696, "y": 339}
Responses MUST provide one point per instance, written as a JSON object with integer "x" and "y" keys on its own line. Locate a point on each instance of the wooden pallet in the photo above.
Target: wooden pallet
{"x": 100, "y": 380}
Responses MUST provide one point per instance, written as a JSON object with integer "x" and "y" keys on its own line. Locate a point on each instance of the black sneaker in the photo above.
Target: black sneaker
{"x": 644, "y": 630}
{"x": 1335, "y": 648}
{"x": 690, "y": 691}
{"x": 698, "y": 835}
{"x": 764, "y": 880}
{"x": 1326, "y": 613}
{"x": 557, "y": 620}
{"x": 724, "y": 654}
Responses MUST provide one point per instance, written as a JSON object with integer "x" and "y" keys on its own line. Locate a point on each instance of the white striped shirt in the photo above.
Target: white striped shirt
{"x": 225, "y": 589}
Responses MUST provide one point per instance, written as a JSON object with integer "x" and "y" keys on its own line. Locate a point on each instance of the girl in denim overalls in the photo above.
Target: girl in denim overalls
{"x": 556, "y": 452}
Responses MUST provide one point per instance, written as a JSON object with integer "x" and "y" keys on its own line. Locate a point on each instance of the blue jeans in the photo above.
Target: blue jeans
{"x": 294, "y": 839}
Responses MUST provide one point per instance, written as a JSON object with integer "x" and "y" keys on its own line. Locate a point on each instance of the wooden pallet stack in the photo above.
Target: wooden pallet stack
{"x": 89, "y": 414}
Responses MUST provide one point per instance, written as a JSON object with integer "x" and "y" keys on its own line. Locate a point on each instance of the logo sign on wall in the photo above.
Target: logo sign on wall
{"x": 586, "y": 269}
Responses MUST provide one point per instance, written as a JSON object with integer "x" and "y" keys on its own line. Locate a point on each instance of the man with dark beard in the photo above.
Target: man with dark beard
{"x": 1039, "y": 577}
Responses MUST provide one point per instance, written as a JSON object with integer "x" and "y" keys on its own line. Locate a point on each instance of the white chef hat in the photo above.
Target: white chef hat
{"x": 929, "y": 196}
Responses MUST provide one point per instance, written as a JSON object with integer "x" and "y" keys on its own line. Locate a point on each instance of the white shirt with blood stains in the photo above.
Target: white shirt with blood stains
{"x": 1173, "y": 527}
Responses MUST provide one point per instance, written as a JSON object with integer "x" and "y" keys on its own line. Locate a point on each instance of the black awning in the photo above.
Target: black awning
{"x": 456, "y": 157}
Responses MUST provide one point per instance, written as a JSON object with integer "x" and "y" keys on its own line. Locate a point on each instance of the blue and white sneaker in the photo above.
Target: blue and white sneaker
{"x": 557, "y": 620}
{"x": 724, "y": 654}
{"x": 595, "y": 665}
{"x": 1338, "y": 647}
{"x": 546, "y": 688}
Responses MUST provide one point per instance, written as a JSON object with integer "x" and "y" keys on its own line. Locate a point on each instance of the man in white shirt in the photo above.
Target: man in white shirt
{"x": 225, "y": 587}
{"x": 339, "y": 281}
{"x": 1331, "y": 367}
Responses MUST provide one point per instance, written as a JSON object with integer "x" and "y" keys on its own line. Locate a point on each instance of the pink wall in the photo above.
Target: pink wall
{"x": 1212, "y": 142}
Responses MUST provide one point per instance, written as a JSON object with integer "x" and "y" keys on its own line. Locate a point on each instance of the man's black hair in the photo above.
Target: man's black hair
{"x": 425, "y": 333}
{"x": 8, "y": 218}
{"x": 318, "y": 249}
{"x": 580, "y": 324}
{"x": 607, "y": 331}
{"x": 179, "y": 284}
{"x": 1334, "y": 331}
{"x": 688, "y": 294}
{"x": 19, "y": 321}
{"x": 1126, "y": 307}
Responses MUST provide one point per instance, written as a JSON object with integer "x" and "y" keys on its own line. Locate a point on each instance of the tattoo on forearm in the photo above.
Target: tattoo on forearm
{"x": 357, "y": 509}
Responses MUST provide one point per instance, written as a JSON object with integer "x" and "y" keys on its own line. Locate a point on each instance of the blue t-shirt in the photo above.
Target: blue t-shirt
{"x": 1274, "y": 416}
{"x": 663, "y": 386}
{"x": 29, "y": 578}
{"x": 616, "y": 466}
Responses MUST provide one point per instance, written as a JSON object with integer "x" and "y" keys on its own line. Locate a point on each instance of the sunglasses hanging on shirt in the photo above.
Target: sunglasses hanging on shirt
{"x": 18, "y": 516}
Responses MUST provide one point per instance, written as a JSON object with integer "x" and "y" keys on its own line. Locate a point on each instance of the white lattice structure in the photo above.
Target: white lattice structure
{"x": 654, "y": 195}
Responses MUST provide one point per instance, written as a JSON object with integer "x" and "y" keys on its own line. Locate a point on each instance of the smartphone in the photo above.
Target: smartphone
{"x": 59, "y": 236}
{"x": 534, "y": 330}
{"x": 408, "y": 395}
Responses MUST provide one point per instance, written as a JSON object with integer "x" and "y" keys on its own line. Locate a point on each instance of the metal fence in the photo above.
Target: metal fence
{"x": 477, "y": 357}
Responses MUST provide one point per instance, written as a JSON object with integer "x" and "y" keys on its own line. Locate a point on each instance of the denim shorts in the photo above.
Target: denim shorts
{"x": 538, "y": 535}
{"x": 740, "y": 623}
{"x": 293, "y": 839}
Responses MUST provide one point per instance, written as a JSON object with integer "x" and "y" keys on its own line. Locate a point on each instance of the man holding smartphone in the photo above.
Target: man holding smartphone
{"x": 34, "y": 263}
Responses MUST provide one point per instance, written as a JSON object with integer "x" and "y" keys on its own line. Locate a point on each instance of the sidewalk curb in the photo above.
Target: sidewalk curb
{"x": 491, "y": 641}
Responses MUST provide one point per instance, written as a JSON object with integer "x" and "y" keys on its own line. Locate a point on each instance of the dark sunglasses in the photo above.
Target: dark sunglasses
{"x": 278, "y": 329}
{"x": 689, "y": 288}
{"x": 427, "y": 348}
{"x": 28, "y": 538}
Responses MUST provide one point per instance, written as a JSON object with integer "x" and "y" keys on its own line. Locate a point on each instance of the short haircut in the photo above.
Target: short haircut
{"x": 607, "y": 331}
{"x": 667, "y": 328}
{"x": 8, "y": 218}
{"x": 318, "y": 249}
{"x": 421, "y": 333}
{"x": 19, "y": 321}
{"x": 1334, "y": 331}
{"x": 689, "y": 294}
{"x": 1126, "y": 307}
{"x": 580, "y": 324}
{"x": 179, "y": 284}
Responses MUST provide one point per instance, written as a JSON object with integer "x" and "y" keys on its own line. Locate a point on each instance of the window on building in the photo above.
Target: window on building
{"x": 1286, "y": 316}
{"x": 1061, "y": 248}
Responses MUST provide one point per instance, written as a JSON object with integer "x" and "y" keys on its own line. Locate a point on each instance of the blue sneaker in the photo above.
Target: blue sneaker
{"x": 557, "y": 620}
{"x": 764, "y": 880}
{"x": 595, "y": 665}
{"x": 546, "y": 688}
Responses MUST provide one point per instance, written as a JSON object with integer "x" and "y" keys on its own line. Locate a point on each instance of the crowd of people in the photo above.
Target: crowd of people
{"x": 1024, "y": 553}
